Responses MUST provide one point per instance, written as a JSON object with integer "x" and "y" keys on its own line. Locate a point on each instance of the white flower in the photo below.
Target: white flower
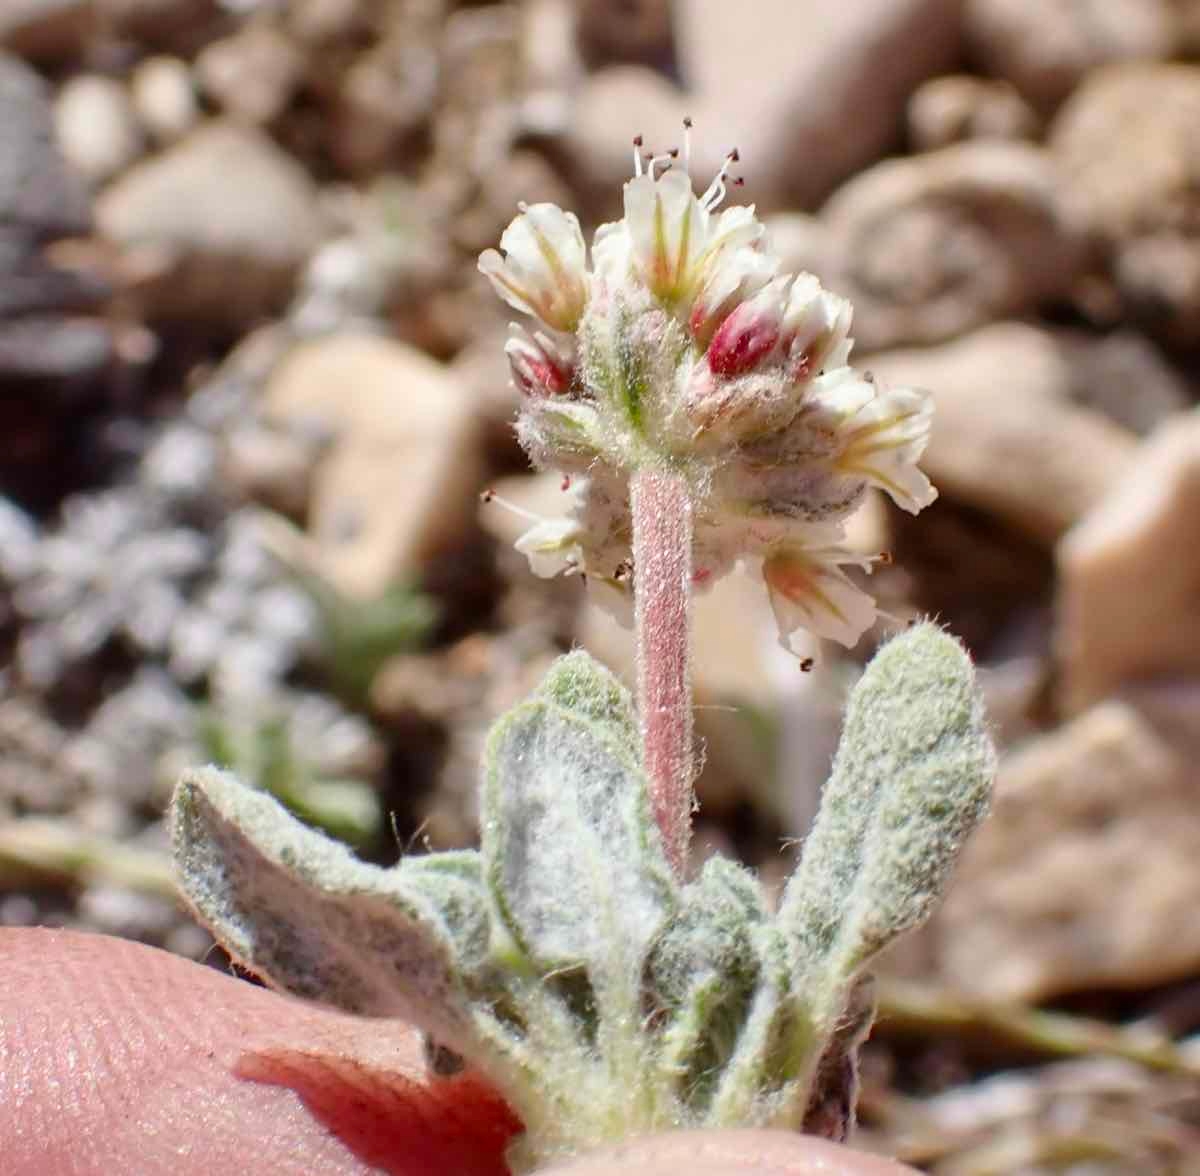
{"x": 816, "y": 327}
{"x": 676, "y": 246}
{"x": 552, "y": 546}
{"x": 683, "y": 348}
{"x": 808, "y": 590}
{"x": 881, "y": 434}
{"x": 543, "y": 270}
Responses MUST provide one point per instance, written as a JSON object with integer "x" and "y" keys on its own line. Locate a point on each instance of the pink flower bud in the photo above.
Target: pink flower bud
{"x": 751, "y": 333}
{"x": 541, "y": 366}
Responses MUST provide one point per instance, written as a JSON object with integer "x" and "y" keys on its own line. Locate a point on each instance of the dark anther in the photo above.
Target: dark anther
{"x": 687, "y": 121}
{"x": 734, "y": 156}
{"x": 674, "y": 153}
{"x": 566, "y": 482}
{"x": 487, "y": 496}
{"x": 806, "y": 665}
{"x": 638, "y": 140}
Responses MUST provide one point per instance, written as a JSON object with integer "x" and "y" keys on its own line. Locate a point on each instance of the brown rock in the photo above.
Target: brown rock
{"x": 631, "y": 31}
{"x": 179, "y": 24}
{"x": 223, "y": 220}
{"x": 397, "y": 487}
{"x": 1006, "y": 437}
{"x": 780, "y": 83}
{"x": 47, "y": 30}
{"x": 1124, "y": 376}
{"x": 252, "y": 74}
{"x": 1085, "y": 874}
{"x": 931, "y": 246}
{"x": 1127, "y": 150}
{"x": 959, "y": 106}
{"x": 1045, "y": 47}
{"x": 1128, "y": 572}
{"x": 386, "y": 96}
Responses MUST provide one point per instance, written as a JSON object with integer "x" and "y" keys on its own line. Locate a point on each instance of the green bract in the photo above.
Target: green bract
{"x": 563, "y": 960}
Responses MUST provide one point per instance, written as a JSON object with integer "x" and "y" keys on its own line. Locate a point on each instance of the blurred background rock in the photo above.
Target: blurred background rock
{"x": 251, "y": 387}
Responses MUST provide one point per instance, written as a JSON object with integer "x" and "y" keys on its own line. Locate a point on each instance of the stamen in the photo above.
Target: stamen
{"x": 687, "y": 143}
{"x": 490, "y": 496}
{"x": 566, "y": 482}
{"x": 637, "y": 154}
{"x": 663, "y": 161}
{"x": 715, "y": 192}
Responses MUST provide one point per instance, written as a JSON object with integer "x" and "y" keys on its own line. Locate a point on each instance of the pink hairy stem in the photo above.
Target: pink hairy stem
{"x": 662, "y": 561}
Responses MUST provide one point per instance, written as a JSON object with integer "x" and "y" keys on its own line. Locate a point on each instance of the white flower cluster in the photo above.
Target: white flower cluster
{"x": 682, "y": 348}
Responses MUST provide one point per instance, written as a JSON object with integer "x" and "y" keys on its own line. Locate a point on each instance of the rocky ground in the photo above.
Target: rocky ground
{"x": 252, "y": 387}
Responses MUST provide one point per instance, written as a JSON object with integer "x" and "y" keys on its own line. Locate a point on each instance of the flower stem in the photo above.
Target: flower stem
{"x": 662, "y": 561}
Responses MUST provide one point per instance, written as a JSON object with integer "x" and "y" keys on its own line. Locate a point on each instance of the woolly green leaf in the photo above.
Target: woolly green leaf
{"x": 571, "y": 851}
{"x": 702, "y": 974}
{"x": 911, "y": 779}
{"x": 302, "y": 912}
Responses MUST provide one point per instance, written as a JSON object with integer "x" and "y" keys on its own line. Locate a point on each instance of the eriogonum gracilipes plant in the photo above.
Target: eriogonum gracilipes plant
{"x": 701, "y": 404}
{"x": 702, "y": 407}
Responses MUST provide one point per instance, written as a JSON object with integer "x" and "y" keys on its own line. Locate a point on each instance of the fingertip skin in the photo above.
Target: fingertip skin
{"x": 119, "y": 1058}
{"x": 730, "y": 1153}
{"x": 116, "y": 1057}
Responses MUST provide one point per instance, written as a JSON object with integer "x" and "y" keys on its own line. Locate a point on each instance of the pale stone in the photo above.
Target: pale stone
{"x": 1006, "y": 437}
{"x": 551, "y": 64}
{"x": 396, "y": 489}
{"x": 96, "y": 127}
{"x": 220, "y": 222}
{"x": 929, "y": 246}
{"x": 164, "y": 97}
{"x": 1084, "y": 876}
{"x": 959, "y": 106}
{"x": 1045, "y": 47}
{"x": 1128, "y": 604}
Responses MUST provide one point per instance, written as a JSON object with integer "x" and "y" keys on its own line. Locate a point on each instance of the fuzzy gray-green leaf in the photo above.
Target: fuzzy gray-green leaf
{"x": 911, "y": 779}
{"x": 570, "y": 848}
{"x": 579, "y": 684}
{"x": 303, "y": 912}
